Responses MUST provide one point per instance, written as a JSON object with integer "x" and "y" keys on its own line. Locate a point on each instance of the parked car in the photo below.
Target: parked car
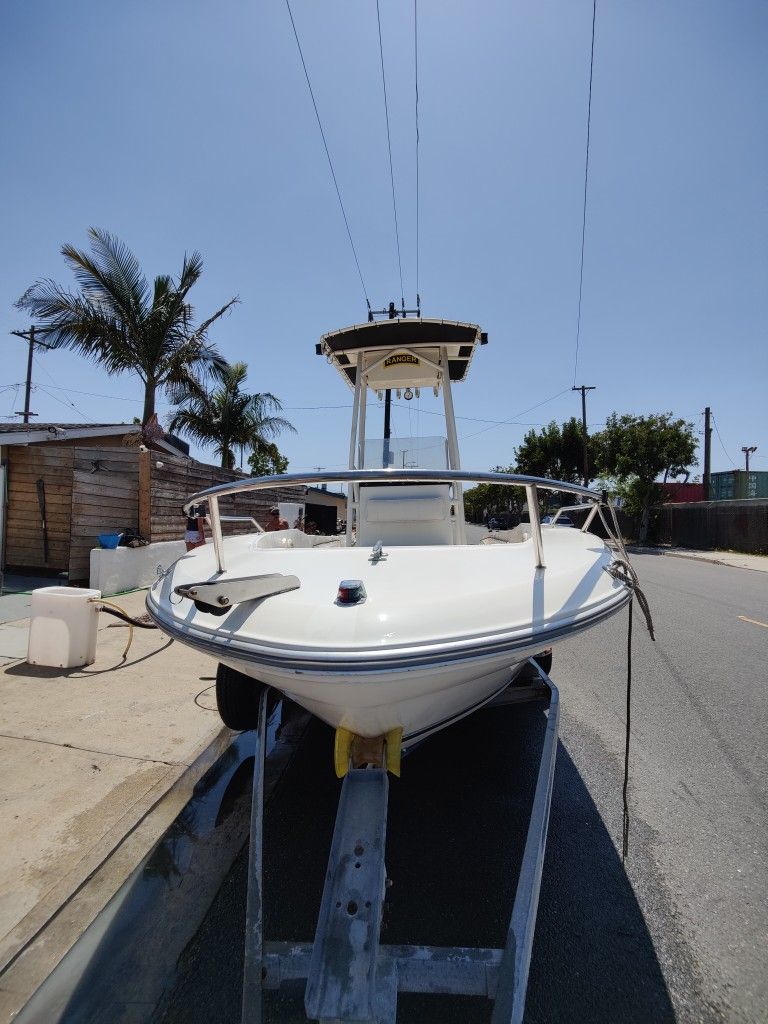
{"x": 561, "y": 521}
{"x": 499, "y": 521}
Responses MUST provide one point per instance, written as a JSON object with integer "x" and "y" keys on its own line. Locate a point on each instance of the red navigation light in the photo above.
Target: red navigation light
{"x": 350, "y": 592}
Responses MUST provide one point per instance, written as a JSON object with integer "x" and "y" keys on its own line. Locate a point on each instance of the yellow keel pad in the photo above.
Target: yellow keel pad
{"x": 393, "y": 740}
{"x": 351, "y": 749}
{"x": 342, "y": 746}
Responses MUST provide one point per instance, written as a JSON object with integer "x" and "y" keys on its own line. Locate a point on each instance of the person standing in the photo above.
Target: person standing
{"x": 194, "y": 535}
{"x": 275, "y": 522}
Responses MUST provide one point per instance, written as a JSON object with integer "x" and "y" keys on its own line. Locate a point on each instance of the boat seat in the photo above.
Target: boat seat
{"x": 409, "y": 515}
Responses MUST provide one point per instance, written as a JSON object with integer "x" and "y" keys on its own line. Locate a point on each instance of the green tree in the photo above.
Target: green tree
{"x": 116, "y": 319}
{"x": 483, "y": 500}
{"x": 267, "y": 460}
{"x": 225, "y": 416}
{"x": 556, "y": 452}
{"x": 636, "y": 450}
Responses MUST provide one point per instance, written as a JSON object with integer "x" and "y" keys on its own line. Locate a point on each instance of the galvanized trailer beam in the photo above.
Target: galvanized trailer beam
{"x": 436, "y": 970}
{"x": 254, "y": 915}
{"x": 350, "y": 976}
{"x": 347, "y": 980}
{"x": 513, "y": 972}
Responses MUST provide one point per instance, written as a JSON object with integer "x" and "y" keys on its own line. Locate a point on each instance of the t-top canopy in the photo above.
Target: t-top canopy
{"x": 402, "y": 352}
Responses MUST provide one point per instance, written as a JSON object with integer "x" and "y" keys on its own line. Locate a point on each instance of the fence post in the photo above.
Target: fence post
{"x": 145, "y": 495}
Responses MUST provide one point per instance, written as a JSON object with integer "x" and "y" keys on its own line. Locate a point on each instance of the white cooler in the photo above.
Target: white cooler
{"x": 62, "y": 627}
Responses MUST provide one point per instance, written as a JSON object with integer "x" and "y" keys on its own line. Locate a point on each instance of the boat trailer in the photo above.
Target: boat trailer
{"x": 351, "y": 976}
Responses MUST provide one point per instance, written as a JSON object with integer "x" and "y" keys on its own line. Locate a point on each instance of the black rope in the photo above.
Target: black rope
{"x": 389, "y": 147}
{"x": 623, "y": 571}
{"x": 416, "y": 63}
{"x": 586, "y": 180}
{"x": 327, "y": 153}
{"x": 625, "y": 822}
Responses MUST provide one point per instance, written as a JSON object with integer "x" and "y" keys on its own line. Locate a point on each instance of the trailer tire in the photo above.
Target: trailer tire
{"x": 237, "y": 698}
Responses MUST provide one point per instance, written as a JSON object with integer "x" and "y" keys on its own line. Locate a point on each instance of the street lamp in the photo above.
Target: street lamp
{"x": 748, "y": 450}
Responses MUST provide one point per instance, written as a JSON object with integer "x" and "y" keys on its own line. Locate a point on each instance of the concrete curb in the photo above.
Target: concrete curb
{"x": 699, "y": 556}
{"x": 41, "y": 940}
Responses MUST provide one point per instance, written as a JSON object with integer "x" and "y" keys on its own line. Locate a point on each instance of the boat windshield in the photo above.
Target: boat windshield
{"x": 407, "y": 453}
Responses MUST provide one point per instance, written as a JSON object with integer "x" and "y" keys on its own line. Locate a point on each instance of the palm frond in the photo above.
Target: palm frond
{"x": 71, "y": 321}
{"x": 191, "y": 270}
{"x": 118, "y": 264}
{"x": 202, "y": 329}
{"x": 111, "y": 277}
{"x": 116, "y": 319}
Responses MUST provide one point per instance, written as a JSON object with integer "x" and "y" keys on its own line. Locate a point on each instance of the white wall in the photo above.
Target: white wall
{"x": 113, "y": 572}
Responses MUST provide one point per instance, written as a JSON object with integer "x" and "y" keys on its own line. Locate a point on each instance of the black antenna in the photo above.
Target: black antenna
{"x": 391, "y": 312}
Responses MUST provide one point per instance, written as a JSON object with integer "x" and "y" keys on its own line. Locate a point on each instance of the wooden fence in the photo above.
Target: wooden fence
{"x": 24, "y": 535}
{"x": 166, "y": 482}
{"x": 104, "y": 500}
{"x": 88, "y": 491}
{"x": 727, "y": 525}
{"x": 61, "y": 497}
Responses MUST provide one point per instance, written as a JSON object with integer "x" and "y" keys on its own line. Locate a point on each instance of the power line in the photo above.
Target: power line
{"x": 483, "y": 419}
{"x": 717, "y": 431}
{"x": 586, "y": 181}
{"x": 510, "y": 422}
{"x": 88, "y": 394}
{"x": 327, "y": 153}
{"x": 12, "y": 415}
{"x": 389, "y": 147}
{"x": 61, "y": 401}
{"x": 47, "y": 389}
{"x": 416, "y": 65}
{"x": 291, "y": 409}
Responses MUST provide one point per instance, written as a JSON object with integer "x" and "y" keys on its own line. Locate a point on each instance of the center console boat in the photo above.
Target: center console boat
{"x": 402, "y": 626}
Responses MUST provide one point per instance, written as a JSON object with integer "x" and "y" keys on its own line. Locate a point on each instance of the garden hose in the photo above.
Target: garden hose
{"x": 121, "y": 613}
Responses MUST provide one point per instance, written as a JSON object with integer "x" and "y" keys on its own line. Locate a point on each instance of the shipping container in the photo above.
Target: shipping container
{"x": 738, "y": 484}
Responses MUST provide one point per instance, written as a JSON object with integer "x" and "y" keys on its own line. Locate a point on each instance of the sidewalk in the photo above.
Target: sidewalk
{"x": 758, "y": 563}
{"x": 87, "y": 758}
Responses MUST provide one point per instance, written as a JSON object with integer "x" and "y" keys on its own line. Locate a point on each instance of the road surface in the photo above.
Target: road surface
{"x": 676, "y": 934}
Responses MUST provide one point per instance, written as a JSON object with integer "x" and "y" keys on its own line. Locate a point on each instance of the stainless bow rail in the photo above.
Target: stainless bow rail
{"x": 532, "y": 484}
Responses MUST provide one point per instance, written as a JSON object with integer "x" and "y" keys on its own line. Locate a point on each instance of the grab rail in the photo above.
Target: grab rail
{"x": 389, "y": 476}
{"x": 576, "y": 508}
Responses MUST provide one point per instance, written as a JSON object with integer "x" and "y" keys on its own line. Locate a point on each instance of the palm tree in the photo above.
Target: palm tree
{"x": 227, "y": 417}
{"x": 116, "y": 319}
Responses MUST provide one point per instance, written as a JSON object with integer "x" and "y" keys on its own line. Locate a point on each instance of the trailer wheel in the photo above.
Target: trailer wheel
{"x": 237, "y": 698}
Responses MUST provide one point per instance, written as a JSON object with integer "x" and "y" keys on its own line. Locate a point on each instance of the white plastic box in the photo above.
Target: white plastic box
{"x": 62, "y": 627}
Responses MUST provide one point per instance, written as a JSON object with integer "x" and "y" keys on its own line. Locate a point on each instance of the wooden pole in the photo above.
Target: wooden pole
{"x": 707, "y": 452}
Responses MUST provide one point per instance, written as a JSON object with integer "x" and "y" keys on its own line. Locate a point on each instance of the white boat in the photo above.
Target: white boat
{"x": 400, "y": 624}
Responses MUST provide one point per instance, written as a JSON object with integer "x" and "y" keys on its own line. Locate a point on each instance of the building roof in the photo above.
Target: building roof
{"x": 324, "y": 490}
{"x": 35, "y": 433}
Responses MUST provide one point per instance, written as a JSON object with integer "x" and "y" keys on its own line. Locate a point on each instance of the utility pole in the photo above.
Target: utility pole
{"x": 584, "y": 388}
{"x": 29, "y": 336}
{"x": 748, "y": 450}
{"x": 707, "y": 452}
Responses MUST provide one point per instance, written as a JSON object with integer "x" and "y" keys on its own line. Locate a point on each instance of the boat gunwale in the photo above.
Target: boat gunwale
{"x": 374, "y": 660}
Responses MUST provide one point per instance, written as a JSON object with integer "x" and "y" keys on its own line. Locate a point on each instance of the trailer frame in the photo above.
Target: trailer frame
{"x": 351, "y": 976}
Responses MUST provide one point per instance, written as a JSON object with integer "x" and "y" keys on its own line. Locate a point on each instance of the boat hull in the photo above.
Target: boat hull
{"x": 416, "y": 657}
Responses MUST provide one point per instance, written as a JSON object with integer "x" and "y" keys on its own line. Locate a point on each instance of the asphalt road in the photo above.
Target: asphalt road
{"x": 678, "y": 933}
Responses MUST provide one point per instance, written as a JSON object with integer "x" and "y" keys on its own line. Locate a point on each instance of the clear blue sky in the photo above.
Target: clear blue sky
{"x": 187, "y": 125}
